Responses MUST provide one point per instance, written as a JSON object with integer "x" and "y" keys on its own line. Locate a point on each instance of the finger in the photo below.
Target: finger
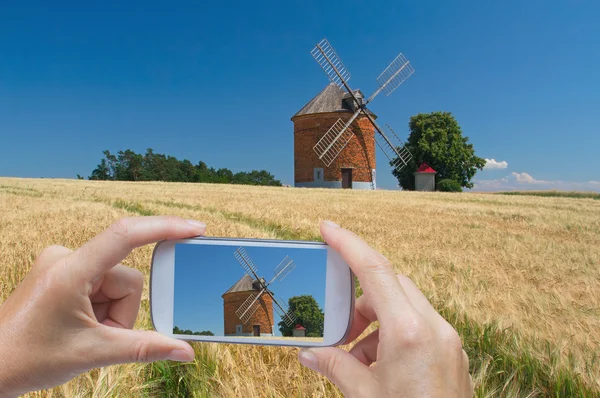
{"x": 470, "y": 385}
{"x": 49, "y": 256}
{"x": 341, "y": 368}
{"x": 362, "y": 319}
{"x": 420, "y": 302}
{"x": 117, "y": 299}
{"x": 118, "y": 346}
{"x": 377, "y": 279}
{"x": 114, "y": 244}
{"x": 366, "y": 349}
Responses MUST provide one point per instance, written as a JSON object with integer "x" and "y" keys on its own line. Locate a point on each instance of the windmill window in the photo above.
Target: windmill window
{"x": 238, "y": 329}
{"x": 318, "y": 174}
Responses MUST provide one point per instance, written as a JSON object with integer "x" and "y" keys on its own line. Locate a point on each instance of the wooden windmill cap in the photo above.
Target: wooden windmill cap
{"x": 246, "y": 283}
{"x": 330, "y": 99}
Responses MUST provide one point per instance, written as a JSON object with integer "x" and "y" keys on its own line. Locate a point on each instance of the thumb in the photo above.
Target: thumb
{"x": 127, "y": 346}
{"x": 340, "y": 367}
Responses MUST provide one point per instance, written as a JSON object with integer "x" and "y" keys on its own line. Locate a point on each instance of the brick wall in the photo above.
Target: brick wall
{"x": 263, "y": 316}
{"x": 359, "y": 154}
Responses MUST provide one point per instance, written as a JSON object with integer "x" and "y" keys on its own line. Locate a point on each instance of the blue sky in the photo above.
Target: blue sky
{"x": 204, "y": 272}
{"x": 219, "y": 82}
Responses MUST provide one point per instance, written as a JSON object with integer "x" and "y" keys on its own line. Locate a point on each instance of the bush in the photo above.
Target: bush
{"x": 448, "y": 185}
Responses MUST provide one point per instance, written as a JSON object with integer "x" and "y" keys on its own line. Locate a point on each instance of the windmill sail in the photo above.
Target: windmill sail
{"x": 246, "y": 263}
{"x": 395, "y": 74}
{"x": 333, "y": 142}
{"x": 283, "y": 311}
{"x": 398, "y": 155}
{"x": 326, "y": 57}
{"x": 249, "y": 307}
{"x": 284, "y": 268}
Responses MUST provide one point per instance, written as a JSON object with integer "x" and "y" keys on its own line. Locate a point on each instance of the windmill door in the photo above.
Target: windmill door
{"x": 256, "y": 330}
{"x": 347, "y": 178}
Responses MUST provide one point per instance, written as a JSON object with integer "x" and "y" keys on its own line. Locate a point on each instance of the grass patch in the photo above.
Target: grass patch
{"x": 509, "y": 367}
{"x": 282, "y": 231}
{"x": 167, "y": 379}
{"x": 21, "y": 191}
{"x": 132, "y": 207}
{"x": 555, "y": 194}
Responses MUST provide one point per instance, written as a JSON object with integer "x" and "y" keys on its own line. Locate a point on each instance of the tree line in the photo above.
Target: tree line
{"x": 130, "y": 166}
{"x": 177, "y": 330}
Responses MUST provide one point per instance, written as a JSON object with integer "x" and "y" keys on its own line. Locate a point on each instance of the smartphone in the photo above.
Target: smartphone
{"x": 251, "y": 291}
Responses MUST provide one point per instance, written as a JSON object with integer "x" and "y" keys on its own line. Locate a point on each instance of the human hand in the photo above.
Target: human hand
{"x": 414, "y": 353}
{"x": 74, "y": 310}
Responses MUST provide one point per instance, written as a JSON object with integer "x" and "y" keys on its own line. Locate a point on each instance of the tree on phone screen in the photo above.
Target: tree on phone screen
{"x": 308, "y": 314}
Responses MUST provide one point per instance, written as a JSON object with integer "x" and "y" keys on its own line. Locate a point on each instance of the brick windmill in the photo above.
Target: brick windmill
{"x": 335, "y": 134}
{"x": 248, "y": 305}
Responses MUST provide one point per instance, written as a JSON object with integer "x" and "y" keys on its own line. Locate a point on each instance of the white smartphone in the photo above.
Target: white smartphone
{"x": 251, "y": 291}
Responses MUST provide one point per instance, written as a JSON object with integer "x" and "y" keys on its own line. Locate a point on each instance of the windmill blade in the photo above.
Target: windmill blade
{"x": 394, "y": 75}
{"x": 246, "y": 263}
{"x": 326, "y": 57}
{"x": 284, "y": 268}
{"x": 284, "y": 312}
{"x": 249, "y": 307}
{"x": 335, "y": 140}
{"x": 398, "y": 155}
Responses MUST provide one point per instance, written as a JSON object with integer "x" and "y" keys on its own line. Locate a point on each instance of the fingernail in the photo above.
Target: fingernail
{"x": 331, "y": 224}
{"x": 196, "y": 224}
{"x": 180, "y": 356}
{"x": 308, "y": 359}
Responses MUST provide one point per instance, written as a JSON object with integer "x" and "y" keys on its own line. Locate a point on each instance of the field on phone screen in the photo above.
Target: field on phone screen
{"x": 518, "y": 276}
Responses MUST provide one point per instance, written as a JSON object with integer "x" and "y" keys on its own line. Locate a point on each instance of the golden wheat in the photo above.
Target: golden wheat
{"x": 528, "y": 263}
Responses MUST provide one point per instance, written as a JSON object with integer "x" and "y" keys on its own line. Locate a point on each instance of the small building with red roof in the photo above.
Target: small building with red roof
{"x": 299, "y": 331}
{"x": 425, "y": 178}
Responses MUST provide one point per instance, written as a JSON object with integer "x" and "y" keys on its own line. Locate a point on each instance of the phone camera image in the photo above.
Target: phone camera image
{"x": 244, "y": 291}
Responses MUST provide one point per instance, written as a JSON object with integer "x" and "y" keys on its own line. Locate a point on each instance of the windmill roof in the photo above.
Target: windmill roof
{"x": 330, "y": 99}
{"x": 425, "y": 168}
{"x": 243, "y": 285}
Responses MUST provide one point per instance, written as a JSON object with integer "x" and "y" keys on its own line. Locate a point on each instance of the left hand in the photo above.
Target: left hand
{"x": 74, "y": 310}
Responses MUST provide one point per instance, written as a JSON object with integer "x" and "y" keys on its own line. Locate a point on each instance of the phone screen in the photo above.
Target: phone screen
{"x": 250, "y": 291}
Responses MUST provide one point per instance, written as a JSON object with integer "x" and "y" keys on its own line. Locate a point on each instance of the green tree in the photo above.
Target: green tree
{"x": 308, "y": 314}
{"x": 436, "y": 139}
{"x": 129, "y": 166}
{"x": 102, "y": 172}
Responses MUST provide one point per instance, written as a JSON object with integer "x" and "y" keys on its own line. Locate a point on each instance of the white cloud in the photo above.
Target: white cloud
{"x": 524, "y": 181}
{"x": 494, "y": 164}
{"x": 525, "y": 178}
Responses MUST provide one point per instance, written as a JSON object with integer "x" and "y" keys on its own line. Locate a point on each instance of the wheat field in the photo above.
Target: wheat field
{"x": 518, "y": 276}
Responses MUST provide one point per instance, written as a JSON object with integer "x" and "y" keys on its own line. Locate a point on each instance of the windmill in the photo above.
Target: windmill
{"x": 337, "y": 137}
{"x": 251, "y": 304}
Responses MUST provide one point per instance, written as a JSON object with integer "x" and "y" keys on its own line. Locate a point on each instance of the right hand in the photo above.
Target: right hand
{"x": 414, "y": 353}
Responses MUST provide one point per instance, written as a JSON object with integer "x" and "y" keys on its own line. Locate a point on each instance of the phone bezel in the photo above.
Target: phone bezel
{"x": 339, "y": 292}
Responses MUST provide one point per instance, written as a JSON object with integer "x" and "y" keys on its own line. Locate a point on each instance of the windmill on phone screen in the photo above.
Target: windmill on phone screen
{"x": 335, "y": 150}
{"x": 258, "y": 296}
